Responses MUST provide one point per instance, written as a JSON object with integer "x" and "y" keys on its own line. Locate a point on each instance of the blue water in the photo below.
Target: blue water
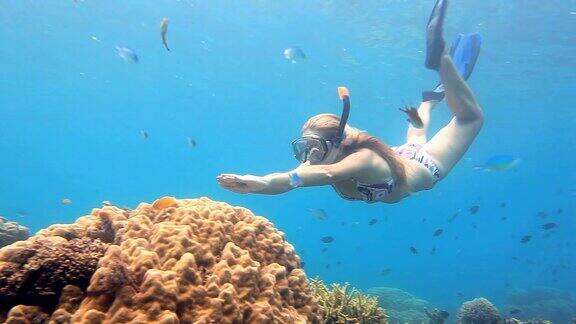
{"x": 72, "y": 112}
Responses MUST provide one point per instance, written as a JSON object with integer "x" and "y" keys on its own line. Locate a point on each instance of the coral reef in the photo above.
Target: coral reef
{"x": 400, "y": 306}
{"x": 11, "y": 232}
{"x": 478, "y": 311}
{"x": 191, "y": 260}
{"x": 517, "y": 321}
{"x": 343, "y": 306}
{"x": 541, "y": 302}
{"x": 436, "y": 316}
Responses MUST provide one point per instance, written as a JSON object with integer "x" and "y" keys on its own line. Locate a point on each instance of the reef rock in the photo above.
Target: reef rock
{"x": 478, "y": 311}
{"x": 541, "y": 302}
{"x": 400, "y": 306}
{"x": 191, "y": 260}
{"x": 11, "y": 232}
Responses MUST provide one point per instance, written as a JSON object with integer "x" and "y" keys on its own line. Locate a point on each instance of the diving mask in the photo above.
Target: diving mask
{"x": 311, "y": 148}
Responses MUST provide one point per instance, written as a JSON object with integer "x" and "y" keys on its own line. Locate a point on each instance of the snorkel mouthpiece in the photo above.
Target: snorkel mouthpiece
{"x": 345, "y": 97}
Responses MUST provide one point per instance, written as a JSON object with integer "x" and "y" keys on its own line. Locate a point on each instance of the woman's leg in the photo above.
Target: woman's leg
{"x": 418, "y": 135}
{"x": 448, "y": 146}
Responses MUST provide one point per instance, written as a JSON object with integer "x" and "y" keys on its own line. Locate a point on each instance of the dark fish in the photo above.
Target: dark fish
{"x": 302, "y": 264}
{"x": 514, "y": 311}
{"x": 548, "y": 226}
{"x": 474, "y": 209}
{"x": 542, "y": 214}
{"x": 438, "y": 232}
{"x": 424, "y": 220}
{"x": 433, "y": 251}
{"x": 453, "y": 217}
{"x": 343, "y": 223}
{"x": 516, "y": 258}
{"x": 459, "y": 294}
{"x": 327, "y": 239}
{"x": 525, "y": 238}
{"x": 338, "y": 262}
{"x": 559, "y": 211}
{"x": 144, "y": 134}
{"x": 324, "y": 250}
{"x": 327, "y": 267}
{"x": 503, "y": 218}
{"x": 372, "y": 222}
{"x": 386, "y": 271}
{"x": 413, "y": 250}
{"x": 503, "y": 205}
{"x": 191, "y": 142}
{"x": 474, "y": 225}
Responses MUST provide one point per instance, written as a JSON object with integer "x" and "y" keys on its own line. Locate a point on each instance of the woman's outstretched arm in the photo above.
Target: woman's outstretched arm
{"x": 303, "y": 176}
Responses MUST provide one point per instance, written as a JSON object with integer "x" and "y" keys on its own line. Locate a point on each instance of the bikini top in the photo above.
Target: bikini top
{"x": 370, "y": 192}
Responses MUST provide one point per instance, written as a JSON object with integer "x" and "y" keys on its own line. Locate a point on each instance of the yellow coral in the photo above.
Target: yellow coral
{"x": 177, "y": 260}
{"x": 341, "y": 305}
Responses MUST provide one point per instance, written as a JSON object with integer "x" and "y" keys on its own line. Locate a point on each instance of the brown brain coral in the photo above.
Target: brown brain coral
{"x": 187, "y": 261}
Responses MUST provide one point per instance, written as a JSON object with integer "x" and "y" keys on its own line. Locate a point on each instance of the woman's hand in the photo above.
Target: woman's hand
{"x": 242, "y": 184}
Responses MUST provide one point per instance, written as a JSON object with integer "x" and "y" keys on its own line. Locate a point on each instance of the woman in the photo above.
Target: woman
{"x": 359, "y": 166}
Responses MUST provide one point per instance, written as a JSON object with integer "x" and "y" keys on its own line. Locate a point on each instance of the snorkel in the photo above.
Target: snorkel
{"x": 345, "y": 97}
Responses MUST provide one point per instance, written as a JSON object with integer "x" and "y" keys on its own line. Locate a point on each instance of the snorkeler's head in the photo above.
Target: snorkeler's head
{"x": 323, "y": 134}
{"x": 320, "y": 140}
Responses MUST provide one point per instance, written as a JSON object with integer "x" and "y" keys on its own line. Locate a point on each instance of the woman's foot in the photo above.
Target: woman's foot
{"x": 435, "y": 43}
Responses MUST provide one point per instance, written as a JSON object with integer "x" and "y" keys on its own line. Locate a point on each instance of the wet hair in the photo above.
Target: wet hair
{"x": 326, "y": 125}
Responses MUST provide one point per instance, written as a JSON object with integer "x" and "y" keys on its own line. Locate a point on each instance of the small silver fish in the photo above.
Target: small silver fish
{"x": 127, "y": 54}
{"x": 163, "y": 31}
{"x": 318, "y": 213}
{"x": 294, "y": 54}
{"x": 144, "y": 134}
{"x": 191, "y": 142}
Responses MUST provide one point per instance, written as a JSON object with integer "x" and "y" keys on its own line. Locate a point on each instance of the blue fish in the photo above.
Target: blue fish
{"x": 294, "y": 54}
{"x": 502, "y": 162}
{"x": 127, "y": 54}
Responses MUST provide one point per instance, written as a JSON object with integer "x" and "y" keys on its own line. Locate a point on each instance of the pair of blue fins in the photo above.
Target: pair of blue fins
{"x": 464, "y": 50}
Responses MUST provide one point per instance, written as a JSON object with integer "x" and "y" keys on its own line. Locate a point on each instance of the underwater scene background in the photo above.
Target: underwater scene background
{"x": 80, "y": 123}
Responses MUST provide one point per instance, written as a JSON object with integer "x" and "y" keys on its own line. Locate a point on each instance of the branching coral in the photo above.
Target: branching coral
{"x": 192, "y": 260}
{"x": 344, "y": 306}
{"x": 478, "y": 311}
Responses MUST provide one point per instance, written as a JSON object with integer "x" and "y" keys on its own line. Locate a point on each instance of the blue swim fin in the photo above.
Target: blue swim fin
{"x": 464, "y": 51}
